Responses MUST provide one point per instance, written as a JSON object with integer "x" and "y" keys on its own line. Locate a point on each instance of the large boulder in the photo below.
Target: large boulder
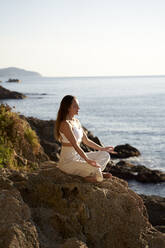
{"x": 106, "y": 214}
{"x": 7, "y": 94}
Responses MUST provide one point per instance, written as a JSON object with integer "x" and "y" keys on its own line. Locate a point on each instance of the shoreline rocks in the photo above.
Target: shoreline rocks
{"x": 139, "y": 173}
{"x": 7, "y": 94}
{"x": 125, "y": 151}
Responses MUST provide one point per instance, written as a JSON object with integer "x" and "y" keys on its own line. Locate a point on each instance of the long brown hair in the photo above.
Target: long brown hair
{"x": 62, "y": 113}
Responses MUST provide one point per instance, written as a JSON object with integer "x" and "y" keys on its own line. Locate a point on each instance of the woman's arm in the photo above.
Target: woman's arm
{"x": 93, "y": 145}
{"x": 90, "y": 143}
{"x": 66, "y": 129}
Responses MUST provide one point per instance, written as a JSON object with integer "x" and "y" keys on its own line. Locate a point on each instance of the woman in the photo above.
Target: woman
{"x": 73, "y": 160}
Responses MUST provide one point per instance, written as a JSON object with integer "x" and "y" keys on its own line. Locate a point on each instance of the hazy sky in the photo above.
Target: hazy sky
{"x": 83, "y": 37}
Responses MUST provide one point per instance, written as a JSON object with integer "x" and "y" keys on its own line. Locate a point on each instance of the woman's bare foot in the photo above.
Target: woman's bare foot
{"x": 91, "y": 179}
{"x": 107, "y": 175}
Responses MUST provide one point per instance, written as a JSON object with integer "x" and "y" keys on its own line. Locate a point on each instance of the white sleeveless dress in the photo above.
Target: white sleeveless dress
{"x": 72, "y": 163}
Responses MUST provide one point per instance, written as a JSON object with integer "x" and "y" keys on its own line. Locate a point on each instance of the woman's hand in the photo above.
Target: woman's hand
{"x": 93, "y": 163}
{"x": 109, "y": 149}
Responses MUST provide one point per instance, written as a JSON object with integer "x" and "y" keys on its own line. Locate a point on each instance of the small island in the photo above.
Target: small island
{"x": 13, "y": 80}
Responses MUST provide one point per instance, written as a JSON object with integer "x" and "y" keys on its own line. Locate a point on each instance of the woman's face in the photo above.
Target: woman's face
{"x": 74, "y": 108}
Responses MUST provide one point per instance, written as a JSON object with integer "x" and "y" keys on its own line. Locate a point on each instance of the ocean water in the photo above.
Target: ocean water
{"x": 118, "y": 110}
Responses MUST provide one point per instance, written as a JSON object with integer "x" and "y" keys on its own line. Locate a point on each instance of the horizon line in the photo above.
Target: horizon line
{"x": 103, "y": 76}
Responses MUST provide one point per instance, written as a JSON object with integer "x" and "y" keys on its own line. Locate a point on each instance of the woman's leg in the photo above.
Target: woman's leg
{"x": 102, "y": 158}
{"x": 83, "y": 169}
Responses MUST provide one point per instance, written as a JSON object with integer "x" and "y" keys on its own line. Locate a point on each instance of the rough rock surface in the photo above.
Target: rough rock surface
{"x": 156, "y": 211}
{"x": 7, "y": 94}
{"x": 73, "y": 243}
{"x": 106, "y": 214}
{"x": 16, "y": 226}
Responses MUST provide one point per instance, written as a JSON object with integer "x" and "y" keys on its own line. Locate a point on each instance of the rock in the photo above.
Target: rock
{"x": 125, "y": 151}
{"x": 13, "y": 80}
{"x": 7, "y": 94}
{"x": 106, "y": 214}
{"x": 16, "y": 226}
{"x": 73, "y": 243}
{"x": 139, "y": 173}
{"x": 45, "y": 132}
{"x": 156, "y": 211}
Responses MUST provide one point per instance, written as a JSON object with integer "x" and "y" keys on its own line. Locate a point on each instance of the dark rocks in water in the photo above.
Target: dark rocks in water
{"x": 7, "y": 94}
{"x": 156, "y": 211}
{"x": 13, "y": 80}
{"x": 125, "y": 151}
{"x": 140, "y": 173}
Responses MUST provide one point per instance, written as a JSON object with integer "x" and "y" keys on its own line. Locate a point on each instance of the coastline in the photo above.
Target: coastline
{"x": 52, "y": 207}
{"x": 124, "y": 172}
{"x": 139, "y": 174}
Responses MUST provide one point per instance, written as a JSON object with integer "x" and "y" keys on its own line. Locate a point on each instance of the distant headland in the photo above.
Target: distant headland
{"x": 17, "y": 72}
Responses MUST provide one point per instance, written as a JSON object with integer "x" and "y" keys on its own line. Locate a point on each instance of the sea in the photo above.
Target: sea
{"x": 119, "y": 110}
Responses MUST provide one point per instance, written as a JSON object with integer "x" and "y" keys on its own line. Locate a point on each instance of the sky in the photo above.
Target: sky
{"x": 61, "y": 38}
